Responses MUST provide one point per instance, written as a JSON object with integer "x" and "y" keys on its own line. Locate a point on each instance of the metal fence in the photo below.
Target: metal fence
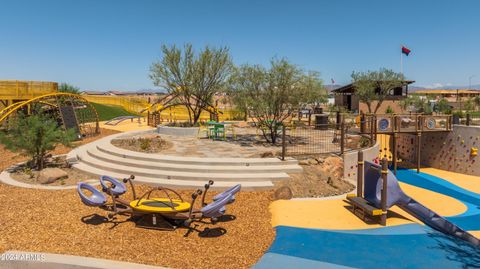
{"x": 468, "y": 120}
{"x": 339, "y": 135}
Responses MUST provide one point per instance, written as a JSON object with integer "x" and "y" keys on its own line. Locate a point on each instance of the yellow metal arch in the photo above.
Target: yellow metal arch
{"x": 6, "y": 112}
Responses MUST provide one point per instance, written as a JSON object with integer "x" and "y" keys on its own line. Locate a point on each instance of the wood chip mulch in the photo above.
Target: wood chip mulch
{"x": 58, "y": 222}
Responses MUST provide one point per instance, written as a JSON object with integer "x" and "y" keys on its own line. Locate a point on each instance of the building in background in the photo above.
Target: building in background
{"x": 345, "y": 97}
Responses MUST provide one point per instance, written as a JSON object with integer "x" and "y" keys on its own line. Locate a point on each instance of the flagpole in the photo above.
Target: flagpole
{"x": 401, "y": 60}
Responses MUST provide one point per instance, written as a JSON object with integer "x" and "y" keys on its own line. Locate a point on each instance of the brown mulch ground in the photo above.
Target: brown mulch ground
{"x": 57, "y": 222}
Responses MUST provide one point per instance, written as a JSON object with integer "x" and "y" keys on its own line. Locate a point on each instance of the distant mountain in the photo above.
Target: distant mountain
{"x": 452, "y": 87}
{"x": 416, "y": 88}
{"x": 151, "y": 90}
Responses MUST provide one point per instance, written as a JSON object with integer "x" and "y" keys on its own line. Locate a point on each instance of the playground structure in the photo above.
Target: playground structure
{"x": 13, "y": 91}
{"x": 378, "y": 190}
{"x": 170, "y": 104}
{"x": 162, "y": 213}
{"x": 70, "y": 110}
{"x": 394, "y": 124}
{"x": 115, "y": 121}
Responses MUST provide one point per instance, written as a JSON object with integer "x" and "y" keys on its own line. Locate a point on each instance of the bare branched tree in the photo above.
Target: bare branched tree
{"x": 192, "y": 78}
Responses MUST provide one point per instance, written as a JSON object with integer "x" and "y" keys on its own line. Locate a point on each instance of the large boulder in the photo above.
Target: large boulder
{"x": 333, "y": 166}
{"x": 283, "y": 193}
{"x": 50, "y": 175}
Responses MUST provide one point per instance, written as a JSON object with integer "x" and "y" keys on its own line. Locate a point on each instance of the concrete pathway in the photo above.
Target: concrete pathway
{"x": 38, "y": 260}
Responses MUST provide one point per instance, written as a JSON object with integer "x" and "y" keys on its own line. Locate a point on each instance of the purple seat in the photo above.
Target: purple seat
{"x": 95, "y": 199}
{"x": 117, "y": 187}
{"x": 232, "y": 191}
{"x": 217, "y": 208}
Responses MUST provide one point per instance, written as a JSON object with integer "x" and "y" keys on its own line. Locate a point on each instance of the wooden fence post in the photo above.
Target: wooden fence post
{"x": 383, "y": 201}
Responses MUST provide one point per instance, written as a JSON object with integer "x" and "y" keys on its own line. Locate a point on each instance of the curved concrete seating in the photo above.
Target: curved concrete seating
{"x": 103, "y": 158}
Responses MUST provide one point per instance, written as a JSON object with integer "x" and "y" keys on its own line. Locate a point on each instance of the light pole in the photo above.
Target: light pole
{"x": 470, "y": 81}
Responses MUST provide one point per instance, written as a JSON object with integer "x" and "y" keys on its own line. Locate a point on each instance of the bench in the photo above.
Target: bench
{"x": 365, "y": 206}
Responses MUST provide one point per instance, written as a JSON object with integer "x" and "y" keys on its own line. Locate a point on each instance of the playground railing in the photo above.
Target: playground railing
{"x": 137, "y": 104}
{"x": 405, "y": 123}
{"x": 23, "y": 90}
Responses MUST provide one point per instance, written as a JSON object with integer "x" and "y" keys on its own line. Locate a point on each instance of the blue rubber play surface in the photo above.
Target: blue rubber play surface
{"x": 403, "y": 246}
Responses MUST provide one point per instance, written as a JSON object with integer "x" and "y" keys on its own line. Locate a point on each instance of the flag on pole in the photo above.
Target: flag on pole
{"x": 405, "y": 50}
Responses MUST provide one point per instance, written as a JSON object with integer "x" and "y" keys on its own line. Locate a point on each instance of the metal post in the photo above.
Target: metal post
{"x": 342, "y": 136}
{"x": 362, "y": 123}
{"x": 360, "y": 174}
{"x": 419, "y": 143}
{"x": 284, "y": 144}
{"x": 338, "y": 119}
{"x": 383, "y": 219}
{"x": 394, "y": 153}
{"x": 371, "y": 130}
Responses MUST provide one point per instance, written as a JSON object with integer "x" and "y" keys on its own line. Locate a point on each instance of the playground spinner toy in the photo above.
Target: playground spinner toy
{"x": 162, "y": 213}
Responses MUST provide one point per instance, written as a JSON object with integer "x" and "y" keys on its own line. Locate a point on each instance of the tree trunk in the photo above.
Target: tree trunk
{"x": 273, "y": 134}
{"x": 265, "y": 136}
{"x": 379, "y": 103}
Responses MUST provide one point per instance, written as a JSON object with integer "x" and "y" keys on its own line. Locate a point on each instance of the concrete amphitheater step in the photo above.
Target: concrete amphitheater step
{"x": 160, "y": 165}
{"x": 84, "y": 157}
{"x": 107, "y": 147}
{"x": 178, "y": 184}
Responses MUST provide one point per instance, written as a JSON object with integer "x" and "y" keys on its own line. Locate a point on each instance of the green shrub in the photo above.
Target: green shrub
{"x": 35, "y": 136}
{"x": 364, "y": 141}
{"x": 145, "y": 143}
{"x": 389, "y": 110}
{"x": 459, "y": 113}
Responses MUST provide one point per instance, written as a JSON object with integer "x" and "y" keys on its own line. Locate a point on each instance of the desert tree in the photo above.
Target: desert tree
{"x": 416, "y": 103}
{"x": 272, "y": 95}
{"x": 68, "y": 88}
{"x": 442, "y": 106}
{"x": 193, "y": 78}
{"x": 374, "y": 86}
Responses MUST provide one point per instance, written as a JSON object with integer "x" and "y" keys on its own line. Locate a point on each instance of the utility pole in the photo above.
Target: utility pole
{"x": 470, "y": 81}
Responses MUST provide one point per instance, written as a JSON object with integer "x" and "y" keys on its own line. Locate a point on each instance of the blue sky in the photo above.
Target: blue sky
{"x": 104, "y": 45}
